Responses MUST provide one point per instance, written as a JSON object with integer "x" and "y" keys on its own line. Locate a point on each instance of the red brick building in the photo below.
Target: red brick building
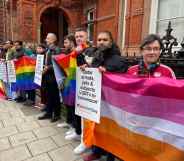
{"x": 128, "y": 20}
{"x": 31, "y": 20}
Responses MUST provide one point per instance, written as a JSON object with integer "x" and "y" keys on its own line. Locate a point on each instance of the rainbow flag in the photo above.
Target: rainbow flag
{"x": 68, "y": 64}
{"x": 25, "y": 70}
{"x": 2, "y": 92}
{"x": 141, "y": 119}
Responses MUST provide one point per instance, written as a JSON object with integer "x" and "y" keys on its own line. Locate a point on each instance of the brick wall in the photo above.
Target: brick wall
{"x": 1, "y": 22}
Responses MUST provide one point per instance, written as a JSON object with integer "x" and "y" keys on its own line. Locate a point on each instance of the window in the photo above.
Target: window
{"x": 90, "y": 24}
{"x": 164, "y": 11}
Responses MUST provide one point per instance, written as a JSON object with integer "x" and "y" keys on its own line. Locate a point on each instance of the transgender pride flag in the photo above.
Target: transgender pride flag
{"x": 142, "y": 119}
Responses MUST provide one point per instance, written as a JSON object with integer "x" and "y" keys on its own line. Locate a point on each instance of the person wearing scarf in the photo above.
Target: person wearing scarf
{"x": 150, "y": 65}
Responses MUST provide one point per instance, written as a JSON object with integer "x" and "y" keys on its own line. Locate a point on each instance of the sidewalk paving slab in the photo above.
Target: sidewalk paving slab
{"x": 28, "y": 126}
{"x": 25, "y": 138}
{"x": 17, "y": 154}
{"x": 63, "y": 154}
{"x": 42, "y": 157}
{"x": 22, "y": 138}
{"x": 4, "y": 144}
{"x": 8, "y": 131}
{"x": 13, "y": 121}
{"x": 45, "y": 132}
{"x": 42, "y": 146}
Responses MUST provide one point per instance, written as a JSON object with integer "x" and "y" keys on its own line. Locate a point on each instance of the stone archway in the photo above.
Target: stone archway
{"x": 53, "y": 20}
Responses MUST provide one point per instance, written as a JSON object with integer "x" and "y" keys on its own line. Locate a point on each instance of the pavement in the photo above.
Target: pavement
{"x": 25, "y": 138}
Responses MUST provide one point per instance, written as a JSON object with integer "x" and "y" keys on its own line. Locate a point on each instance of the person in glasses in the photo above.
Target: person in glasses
{"x": 150, "y": 65}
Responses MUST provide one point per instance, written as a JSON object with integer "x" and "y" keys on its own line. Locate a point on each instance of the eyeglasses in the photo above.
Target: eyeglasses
{"x": 155, "y": 49}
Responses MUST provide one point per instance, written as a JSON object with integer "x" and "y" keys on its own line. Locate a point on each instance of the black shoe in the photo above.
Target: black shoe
{"x": 43, "y": 109}
{"x": 20, "y": 99}
{"x": 29, "y": 103}
{"x": 54, "y": 119}
{"x": 44, "y": 117}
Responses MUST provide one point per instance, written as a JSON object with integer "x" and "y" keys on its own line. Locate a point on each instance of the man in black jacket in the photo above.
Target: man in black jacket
{"x": 50, "y": 84}
{"x": 107, "y": 57}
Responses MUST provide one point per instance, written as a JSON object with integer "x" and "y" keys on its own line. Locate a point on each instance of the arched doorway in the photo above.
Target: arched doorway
{"x": 53, "y": 20}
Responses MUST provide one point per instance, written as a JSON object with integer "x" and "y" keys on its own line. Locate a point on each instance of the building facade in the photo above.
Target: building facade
{"x": 152, "y": 16}
{"x": 31, "y": 20}
{"x": 128, "y": 20}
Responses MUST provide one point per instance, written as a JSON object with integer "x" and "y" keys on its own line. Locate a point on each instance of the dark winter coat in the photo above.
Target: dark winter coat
{"x": 111, "y": 59}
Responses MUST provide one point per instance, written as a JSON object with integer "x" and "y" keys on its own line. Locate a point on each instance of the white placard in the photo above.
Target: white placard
{"x": 88, "y": 94}
{"x": 39, "y": 69}
{"x": 3, "y": 71}
{"x": 11, "y": 71}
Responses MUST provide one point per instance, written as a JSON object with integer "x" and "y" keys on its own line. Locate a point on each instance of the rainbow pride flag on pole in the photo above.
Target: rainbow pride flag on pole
{"x": 141, "y": 119}
{"x": 25, "y": 71}
{"x": 68, "y": 64}
{"x": 2, "y": 91}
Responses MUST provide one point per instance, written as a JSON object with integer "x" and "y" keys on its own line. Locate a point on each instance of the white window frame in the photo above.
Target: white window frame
{"x": 154, "y": 20}
{"x": 90, "y": 22}
{"x": 153, "y": 16}
{"x": 122, "y": 23}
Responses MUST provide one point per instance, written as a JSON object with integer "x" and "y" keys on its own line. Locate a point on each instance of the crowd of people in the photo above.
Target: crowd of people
{"x": 105, "y": 56}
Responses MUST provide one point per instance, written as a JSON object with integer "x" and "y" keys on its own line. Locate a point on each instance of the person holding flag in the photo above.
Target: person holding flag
{"x": 81, "y": 38}
{"x": 69, "y": 47}
{"x": 107, "y": 58}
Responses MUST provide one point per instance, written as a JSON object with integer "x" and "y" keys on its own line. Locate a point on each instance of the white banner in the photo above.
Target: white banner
{"x": 3, "y": 72}
{"x": 11, "y": 71}
{"x": 39, "y": 69}
{"x": 88, "y": 94}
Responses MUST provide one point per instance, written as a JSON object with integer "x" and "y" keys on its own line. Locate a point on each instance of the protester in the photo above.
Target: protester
{"x": 19, "y": 52}
{"x": 29, "y": 51}
{"x": 52, "y": 91}
{"x": 82, "y": 44}
{"x": 107, "y": 58}
{"x": 9, "y": 55}
{"x": 41, "y": 50}
{"x": 69, "y": 46}
{"x": 10, "y": 50}
{"x": 150, "y": 65}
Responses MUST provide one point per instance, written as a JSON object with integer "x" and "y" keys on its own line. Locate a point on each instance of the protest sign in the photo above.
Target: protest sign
{"x": 88, "y": 94}
{"x": 39, "y": 69}
{"x": 11, "y": 72}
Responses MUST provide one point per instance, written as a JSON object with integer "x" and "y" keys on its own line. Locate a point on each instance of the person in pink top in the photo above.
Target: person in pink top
{"x": 150, "y": 65}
